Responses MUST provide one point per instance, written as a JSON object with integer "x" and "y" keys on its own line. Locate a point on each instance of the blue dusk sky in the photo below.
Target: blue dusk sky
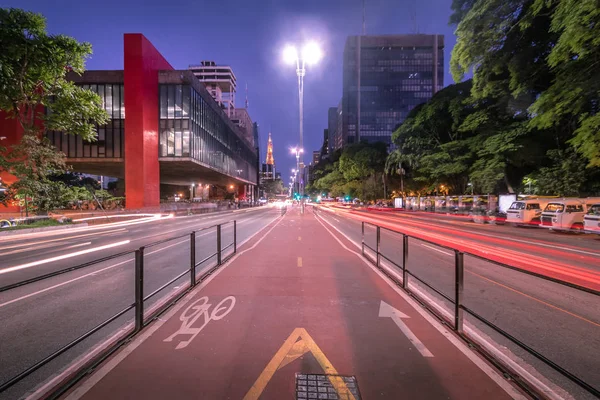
{"x": 249, "y": 35}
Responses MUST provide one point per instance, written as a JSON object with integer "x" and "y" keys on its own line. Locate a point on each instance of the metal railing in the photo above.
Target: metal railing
{"x": 140, "y": 320}
{"x": 459, "y": 285}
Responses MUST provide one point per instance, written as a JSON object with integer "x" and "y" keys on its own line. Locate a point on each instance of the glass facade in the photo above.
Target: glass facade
{"x": 110, "y": 138}
{"x": 395, "y": 77}
{"x": 190, "y": 127}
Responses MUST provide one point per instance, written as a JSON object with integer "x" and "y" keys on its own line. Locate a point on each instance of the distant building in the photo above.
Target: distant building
{"x": 332, "y": 116}
{"x": 316, "y": 156}
{"x": 220, "y": 81}
{"x": 268, "y": 168}
{"x": 241, "y": 118}
{"x": 397, "y": 72}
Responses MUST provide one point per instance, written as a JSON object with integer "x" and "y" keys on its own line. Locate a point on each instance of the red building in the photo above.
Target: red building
{"x": 166, "y": 131}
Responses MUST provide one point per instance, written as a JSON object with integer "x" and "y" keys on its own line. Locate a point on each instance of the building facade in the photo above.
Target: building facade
{"x": 316, "y": 156}
{"x": 332, "y": 115}
{"x": 165, "y": 129}
{"x": 397, "y": 72}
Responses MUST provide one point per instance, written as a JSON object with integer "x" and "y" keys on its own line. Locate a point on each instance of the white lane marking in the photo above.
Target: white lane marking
{"x": 483, "y": 366}
{"x": 28, "y": 245}
{"x": 438, "y": 250}
{"x": 102, "y": 371}
{"x": 46, "y": 246}
{"x": 64, "y": 256}
{"x": 387, "y": 311}
{"x": 84, "y": 276}
{"x": 199, "y": 310}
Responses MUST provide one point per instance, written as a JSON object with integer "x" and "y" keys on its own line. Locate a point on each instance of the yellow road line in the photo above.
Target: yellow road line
{"x": 292, "y": 349}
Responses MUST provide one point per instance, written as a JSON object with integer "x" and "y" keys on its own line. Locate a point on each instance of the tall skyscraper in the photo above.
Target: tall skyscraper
{"x": 331, "y": 128}
{"x": 397, "y": 72}
{"x": 220, "y": 81}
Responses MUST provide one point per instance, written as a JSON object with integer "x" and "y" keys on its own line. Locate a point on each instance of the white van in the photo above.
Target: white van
{"x": 591, "y": 220}
{"x": 565, "y": 214}
{"x": 526, "y": 212}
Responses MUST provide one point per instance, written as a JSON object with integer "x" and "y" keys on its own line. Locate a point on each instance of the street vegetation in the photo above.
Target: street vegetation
{"x": 527, "y": 121}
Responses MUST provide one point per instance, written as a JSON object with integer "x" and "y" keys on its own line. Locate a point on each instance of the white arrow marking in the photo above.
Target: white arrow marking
{"x": 385, "y": 310}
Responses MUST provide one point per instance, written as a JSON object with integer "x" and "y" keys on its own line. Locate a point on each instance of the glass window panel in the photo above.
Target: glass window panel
{"x": 86, "y": 150}
{"x": 79, "y": 147}
{"x": 109, "y": 142}
{"x": 163, "y": 142}
{"x": 116, "y": 101}
{"x": 178, "y": 100}
{"x": 101, "y": 134}
{"x": 101, "y": 94}
{"x": 65, "y": 144}
{"x": 171, "y": 101}
{"x": 171, "y": 142}
{"x": 186, "y": 101}
{"x": 178, "y": 143}
{"x": 117, "y": 143}
{"x": 122, "y": 97}
{"x": 109, "y": 99}
{"x": 186, "y": 143}
{"x": 163, "y": 101}
{"x": 94, "y": 151}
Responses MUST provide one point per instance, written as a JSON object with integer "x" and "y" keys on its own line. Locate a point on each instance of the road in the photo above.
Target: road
{"x": 296, "y": 315}
{"x": 559, "y": 322}
{"x": 38, "y": 318}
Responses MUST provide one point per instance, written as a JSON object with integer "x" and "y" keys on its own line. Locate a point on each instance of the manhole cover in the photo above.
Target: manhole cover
{"x": 335, "y": 387}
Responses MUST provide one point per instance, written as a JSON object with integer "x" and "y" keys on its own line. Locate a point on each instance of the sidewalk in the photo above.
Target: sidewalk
{"x": 295, "y": 315}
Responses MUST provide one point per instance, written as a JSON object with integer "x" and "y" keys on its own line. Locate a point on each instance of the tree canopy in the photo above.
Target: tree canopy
{"x": 34, "y": 90}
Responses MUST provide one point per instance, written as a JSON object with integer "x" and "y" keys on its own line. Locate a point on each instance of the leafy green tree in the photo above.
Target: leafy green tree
{"x": 34, "y": 90}
{"x": 565, "y": 177}
{"x": 273, "y": 188}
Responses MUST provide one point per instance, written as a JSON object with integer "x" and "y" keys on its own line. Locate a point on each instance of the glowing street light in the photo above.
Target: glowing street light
{"x": 311, "y": 54}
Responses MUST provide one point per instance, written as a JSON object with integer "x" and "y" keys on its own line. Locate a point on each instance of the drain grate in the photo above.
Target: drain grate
{"x": 320, "y": 386}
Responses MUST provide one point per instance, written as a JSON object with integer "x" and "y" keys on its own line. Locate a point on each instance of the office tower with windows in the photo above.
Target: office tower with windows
{"x": 397, "y": 72}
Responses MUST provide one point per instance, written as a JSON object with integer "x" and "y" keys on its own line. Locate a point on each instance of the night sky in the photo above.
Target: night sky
{"x": 249, "y": 35}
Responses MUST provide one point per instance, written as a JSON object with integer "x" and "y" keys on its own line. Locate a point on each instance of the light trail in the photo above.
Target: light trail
{"x": 62, "y": 257}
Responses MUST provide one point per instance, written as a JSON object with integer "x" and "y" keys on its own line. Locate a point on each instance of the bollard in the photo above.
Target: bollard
{"x": 192, "y": 259}
{"x": 139, "y": 289}
{"x": 459, "y": 278}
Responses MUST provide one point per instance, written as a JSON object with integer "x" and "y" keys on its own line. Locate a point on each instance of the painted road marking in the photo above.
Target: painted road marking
{"x": 387, "y": 311}
{"x": 438, "y": 250}
{"x": 469, "y": 353}
{"x": 199, "y": 308}
{"x": 299, "y": 238}
{"x": 295, "y": 346}
{"x": 299, "y": 261}
{"x": 64, "y": 256}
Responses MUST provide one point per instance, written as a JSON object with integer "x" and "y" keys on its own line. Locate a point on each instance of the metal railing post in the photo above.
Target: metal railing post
{"x": 404, "y": 260}
{"x": 362, "y": 240}
{"x": 219, "y": 244}
{"x": 192, "y": 259}
{"x": 139, "y": 289}
{"x": 378, "y": 245}
{"x": 459, "y": 278}
{"x": 234, "y": 236}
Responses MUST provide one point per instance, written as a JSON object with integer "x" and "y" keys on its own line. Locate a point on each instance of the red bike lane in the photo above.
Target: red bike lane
{"x": 295, "y": 315}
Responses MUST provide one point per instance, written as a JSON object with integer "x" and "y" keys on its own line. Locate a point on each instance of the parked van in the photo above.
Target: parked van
{"x": 591, "y": 220}
{"x": 565, "y": 214}
{"x": 526, "y": 212}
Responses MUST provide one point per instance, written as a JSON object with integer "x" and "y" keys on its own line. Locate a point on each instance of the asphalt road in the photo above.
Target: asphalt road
{"x": 39, "y": 318}
{"x": 559, "y": 322}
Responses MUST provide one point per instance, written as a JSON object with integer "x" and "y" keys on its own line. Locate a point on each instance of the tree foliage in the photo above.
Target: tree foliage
{"x": 542, "y": 53}
{"x": 273, "y": 188}
{"x": 357, "y": 171}
{"x": 34, "y": 90}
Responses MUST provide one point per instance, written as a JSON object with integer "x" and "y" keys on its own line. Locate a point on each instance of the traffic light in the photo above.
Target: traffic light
{"x": 347, "y": 198}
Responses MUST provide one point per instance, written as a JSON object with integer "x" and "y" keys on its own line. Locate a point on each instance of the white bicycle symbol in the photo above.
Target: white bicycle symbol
{"x": 196, "y": 310}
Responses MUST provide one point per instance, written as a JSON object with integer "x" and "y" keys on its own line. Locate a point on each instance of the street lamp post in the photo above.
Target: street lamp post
{"x": 311, "y": 54}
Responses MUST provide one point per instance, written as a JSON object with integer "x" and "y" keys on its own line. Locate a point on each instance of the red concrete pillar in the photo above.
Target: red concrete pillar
{"x": 10, "y": 134}
{"x": 142, "y": 175}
